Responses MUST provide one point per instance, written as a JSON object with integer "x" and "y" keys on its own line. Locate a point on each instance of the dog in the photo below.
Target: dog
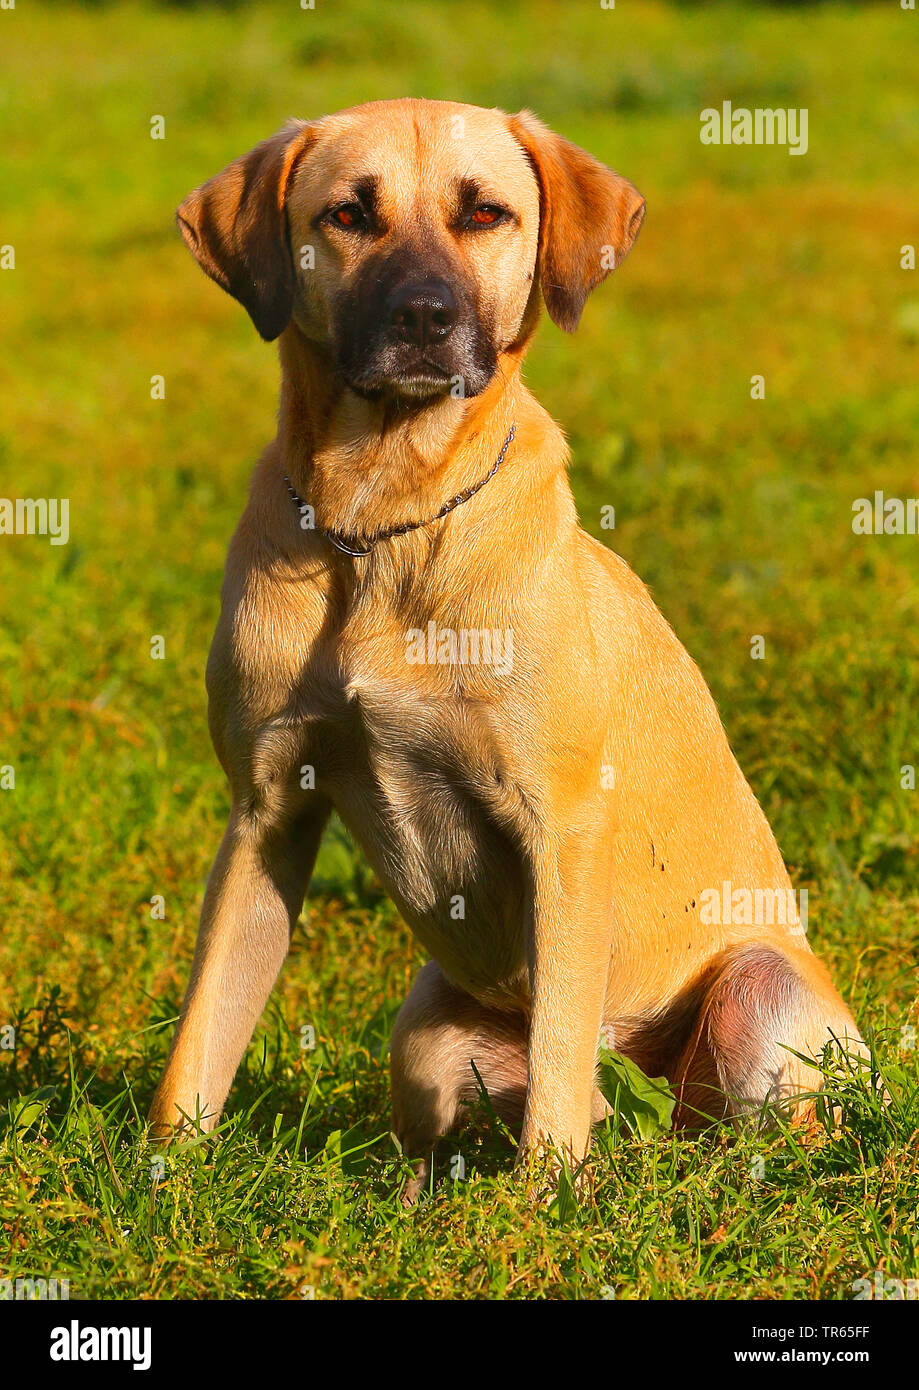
{"x": 554, "y": 826}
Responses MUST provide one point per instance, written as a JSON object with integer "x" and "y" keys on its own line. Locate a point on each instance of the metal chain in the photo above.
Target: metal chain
{"x": 350, "y": 545}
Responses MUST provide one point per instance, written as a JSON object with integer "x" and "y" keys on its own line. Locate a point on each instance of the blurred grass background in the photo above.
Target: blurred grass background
{"x": 736, "y": 512}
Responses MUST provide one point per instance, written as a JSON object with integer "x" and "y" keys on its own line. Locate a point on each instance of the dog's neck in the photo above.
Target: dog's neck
{"x": 364, "y": 465}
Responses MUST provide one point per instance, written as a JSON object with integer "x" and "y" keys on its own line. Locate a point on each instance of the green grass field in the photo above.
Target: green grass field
{"x": 737, "y": 512}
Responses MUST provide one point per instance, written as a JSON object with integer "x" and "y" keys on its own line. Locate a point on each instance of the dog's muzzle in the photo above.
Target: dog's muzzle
{"x": 413, "y": 334}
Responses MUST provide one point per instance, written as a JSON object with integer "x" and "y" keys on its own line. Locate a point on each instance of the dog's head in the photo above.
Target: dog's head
{"x": 412, "y": 237}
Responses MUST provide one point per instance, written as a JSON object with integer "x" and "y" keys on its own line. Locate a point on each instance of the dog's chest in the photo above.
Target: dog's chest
{"x": 410, "y": 761}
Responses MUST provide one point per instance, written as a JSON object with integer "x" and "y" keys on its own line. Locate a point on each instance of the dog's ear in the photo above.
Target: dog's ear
{"x": 235, "y": 226}
{"x": 588, "y": 218}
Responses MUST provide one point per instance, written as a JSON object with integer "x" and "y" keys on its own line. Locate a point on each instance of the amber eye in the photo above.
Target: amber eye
{"x": 486, "y": 215}
{"x": 349, "y": 215}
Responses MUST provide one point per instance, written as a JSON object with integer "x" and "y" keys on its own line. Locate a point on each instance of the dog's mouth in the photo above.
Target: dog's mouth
{"x": 412, "y": 337}
{"x": 392, "y": 373}
{"x": 418, "y": 381}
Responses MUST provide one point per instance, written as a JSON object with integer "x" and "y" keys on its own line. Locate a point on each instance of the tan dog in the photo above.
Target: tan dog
{"x": 490, "y": 699}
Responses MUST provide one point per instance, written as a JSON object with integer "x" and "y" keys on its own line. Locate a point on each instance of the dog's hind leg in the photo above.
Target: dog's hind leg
{"x": 439, "y": 1034}
{"x": 762, "y": 1006}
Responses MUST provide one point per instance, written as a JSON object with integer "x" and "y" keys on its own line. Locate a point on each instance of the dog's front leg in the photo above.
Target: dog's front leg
{"x": 569, "y": 956}
{"x": 253, "y": 898}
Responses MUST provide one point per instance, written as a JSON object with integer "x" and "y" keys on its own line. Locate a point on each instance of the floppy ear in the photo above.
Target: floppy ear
{"x": 588, "y": 218}
{"x": 235, "y": 226}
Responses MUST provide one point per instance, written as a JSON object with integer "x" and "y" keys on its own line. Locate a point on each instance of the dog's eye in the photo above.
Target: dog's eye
{"x": 350, "y": 216}
{"x": 486, "y": 215}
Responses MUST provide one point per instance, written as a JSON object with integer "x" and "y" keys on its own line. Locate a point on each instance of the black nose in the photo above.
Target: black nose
{"x": 422, "y": 313}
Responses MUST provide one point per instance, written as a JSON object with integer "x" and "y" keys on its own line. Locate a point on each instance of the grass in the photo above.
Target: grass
{"x": 736, "y": 512}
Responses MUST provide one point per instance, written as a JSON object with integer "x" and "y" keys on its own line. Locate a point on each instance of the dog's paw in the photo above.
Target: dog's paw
{"x": 549, "y": 1173}
{"x": 417, "y": 1184}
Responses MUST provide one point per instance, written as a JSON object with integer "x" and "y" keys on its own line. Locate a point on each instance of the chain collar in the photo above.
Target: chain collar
{"x": 353, "y": 545}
